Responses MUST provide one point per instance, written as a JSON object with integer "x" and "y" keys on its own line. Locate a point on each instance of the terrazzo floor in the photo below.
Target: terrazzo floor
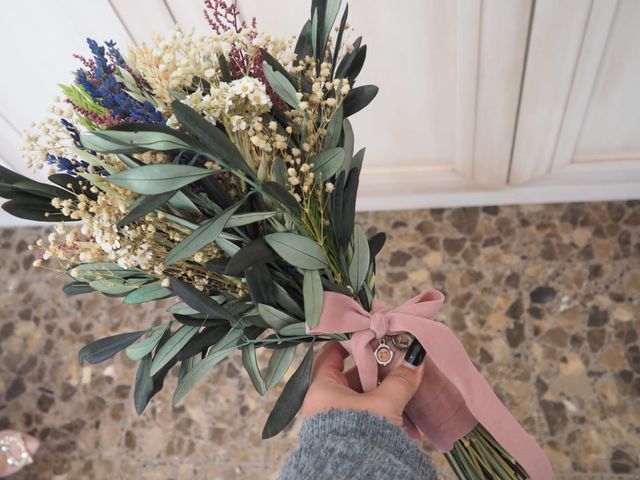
{"x": 546, "y": 299}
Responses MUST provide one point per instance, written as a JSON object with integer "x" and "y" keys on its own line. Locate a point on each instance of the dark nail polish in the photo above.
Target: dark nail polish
{"x": 415, "y": 354}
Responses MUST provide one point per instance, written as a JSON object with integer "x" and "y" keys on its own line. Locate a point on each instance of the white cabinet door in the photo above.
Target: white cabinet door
{"x": 578, "y": 133}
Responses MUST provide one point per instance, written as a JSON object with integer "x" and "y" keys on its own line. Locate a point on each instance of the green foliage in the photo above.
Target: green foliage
{"x": 359, "y": 265}
{"x": 145, "y": 204}
{"x": 291, "y": 398}
{"x": 147, "y": 293}
{"x": 313, "y": 296}
{"x": 172, "y": 347}
{"x": 200, "y": 301}
{"x": 117, "y": 141}
{"x": 250, "y": 363}
{"x": 275, "y": 318}
{"x": 328, "y": 162}
{"x": 279, "y": 363}
{"x": 219, "y": 352}
{"x": 298, "y": 250}
{"x": 107, "y": 347}
{"x": 281, "y": 85}
{"x": 358, "y": 98}
{"x": 201, "y": 237}
{"x": 141, "y": 349}
{"x": 158, "y": 178}
{"x": 215, "y": 143}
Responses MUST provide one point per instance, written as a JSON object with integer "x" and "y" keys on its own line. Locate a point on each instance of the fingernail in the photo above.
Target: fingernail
{"x": 415, "y": 354}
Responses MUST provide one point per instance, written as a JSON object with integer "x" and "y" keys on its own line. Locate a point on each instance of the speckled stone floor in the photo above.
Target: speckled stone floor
{"x": 546, "y": 299}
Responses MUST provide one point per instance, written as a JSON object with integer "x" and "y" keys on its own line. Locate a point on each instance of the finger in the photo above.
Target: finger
{"x": 353, "y": 379}
{"x": 329, "y": 361}
{"x": 402, "y": 382}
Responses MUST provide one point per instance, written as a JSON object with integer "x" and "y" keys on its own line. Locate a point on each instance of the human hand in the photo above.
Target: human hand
{"x": 332, "y": 388}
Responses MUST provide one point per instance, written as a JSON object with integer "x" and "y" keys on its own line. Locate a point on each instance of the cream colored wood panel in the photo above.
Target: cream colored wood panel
{"x": 557, "y": 32}
{"x": 611, "y": 124}
{"x": 143, "y": 18}
{"x": 563, "y": 137}
{"x": 188, "y": 14}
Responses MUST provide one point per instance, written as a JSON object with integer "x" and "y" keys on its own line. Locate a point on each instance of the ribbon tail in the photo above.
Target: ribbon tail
{"x": 360, "y": 349}
{"x": 454, "y": 397}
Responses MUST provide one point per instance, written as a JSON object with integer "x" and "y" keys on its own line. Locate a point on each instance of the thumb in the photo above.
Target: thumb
{"x": 402, "y": 382}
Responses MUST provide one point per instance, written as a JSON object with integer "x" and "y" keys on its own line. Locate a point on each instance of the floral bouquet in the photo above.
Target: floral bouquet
{"x": 220, "y": 169}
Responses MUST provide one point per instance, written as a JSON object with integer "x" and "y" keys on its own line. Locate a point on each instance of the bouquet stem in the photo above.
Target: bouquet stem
{"x": 478, "y": 456}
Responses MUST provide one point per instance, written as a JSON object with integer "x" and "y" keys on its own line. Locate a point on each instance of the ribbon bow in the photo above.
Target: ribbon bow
{"x": 453, "y": 397}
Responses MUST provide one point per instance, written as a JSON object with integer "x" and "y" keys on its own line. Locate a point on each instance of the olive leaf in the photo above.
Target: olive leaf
{"x": 139, "y": 350}
{"x": 348, "y": 207}
{"x": 279, "y": 363}
{"x": 291, "y": 398}
{"x": 216, "y": 143}
{"x": 347, "y": 144}
{"x": 303, "y": 46}
{"x": 254, "y": 253}
{"x": 356, "y": 66}
{"x": 279, "y": 193}
{"x": 172, "y": 347}
{"x": 181, "y": 205}
{"x": 107, "y": 347}
{"x": 330, "y": 15}
{"x": 358, "y": 159}
{"x": 225, "y": 70}
{"x": 34, "y": 208}
{"x": 328, "y": 162}
{"x": 275, "y": 318}
{"x": 158, "y": 178}
{"x": 147, "y": 293}
{"x": 250, "y": 363}
{"x": 116, "y": 286}
{"x": 202, "y": 341}
{"x": 77, "y": 288}
{"x": 281, "y": 85}
{"x": 200, "y": 237}
{"x": 116, "y": 141}
{"x": 219, "y": 352}
{"x": 338, "y": 42}
{"x": 143, "y": 386}
{"x": 260, "y": 284}
{"x": 298, "y": 250}
{"x": 358, "y": 98}
{"x": 294, "y": 330}
{"x": 248, "y": 218}
{"x": 146, "y": 385}
{"x": 313, "y": 296}
{"x": 334, "y": 129}
{"x": 376, "y": 243}
{"x": 359, "y": 265}
{"x": 200, "y": 301}
{"x": 345, "y": 64}
{"x": 286, "y": 301}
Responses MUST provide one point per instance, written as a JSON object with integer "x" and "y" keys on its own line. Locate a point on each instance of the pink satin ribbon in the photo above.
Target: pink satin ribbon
{"x": 453, "y": 397}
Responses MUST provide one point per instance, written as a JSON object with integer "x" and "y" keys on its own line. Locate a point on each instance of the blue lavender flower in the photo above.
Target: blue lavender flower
{"x": 101, "y": 84}
{"x": 66, "y": 165}
{"x": 73, "y": 131}
{"x": 115, "y": 53}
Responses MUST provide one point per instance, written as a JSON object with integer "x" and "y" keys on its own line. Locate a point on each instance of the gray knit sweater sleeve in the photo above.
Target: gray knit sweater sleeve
{"x": 345, "y": 444}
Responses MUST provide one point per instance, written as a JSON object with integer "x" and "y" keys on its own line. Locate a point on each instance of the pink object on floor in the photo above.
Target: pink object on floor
{"x": 453, "y": 397}
{"x": 16, "y": 451}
